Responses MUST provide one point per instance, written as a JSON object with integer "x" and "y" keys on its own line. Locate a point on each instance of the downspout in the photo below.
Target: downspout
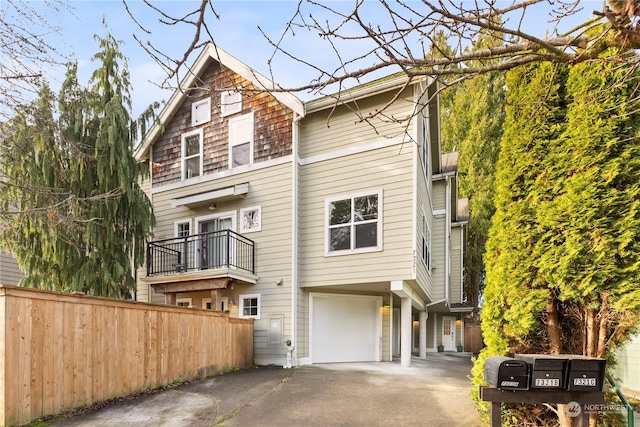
{"x": 291, "y": 344}
{"x": 447, "y": 240}
{"x": 150, "y": 195}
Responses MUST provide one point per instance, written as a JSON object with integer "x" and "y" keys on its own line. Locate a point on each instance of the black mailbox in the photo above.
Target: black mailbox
{"x": 506, "y": 373}
{"x": 547, "y": 371}
{"x": 586, "y": 373}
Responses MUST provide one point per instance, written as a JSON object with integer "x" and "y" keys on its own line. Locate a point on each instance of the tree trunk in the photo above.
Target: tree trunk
{"x": 592, "y": 330}
{"x": 553, "y": 331}
{"x": 553, "y": 326}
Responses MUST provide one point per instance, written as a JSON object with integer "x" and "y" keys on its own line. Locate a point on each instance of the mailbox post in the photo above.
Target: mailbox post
{"x": 541, "y": 378}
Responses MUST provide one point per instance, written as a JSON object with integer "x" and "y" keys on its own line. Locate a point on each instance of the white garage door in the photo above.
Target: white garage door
{"x": 345, "y": 328}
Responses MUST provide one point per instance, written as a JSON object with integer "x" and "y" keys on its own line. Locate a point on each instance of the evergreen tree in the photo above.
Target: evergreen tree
{"x": 472, "y": 114}
{"x": 94, "y": 242}
{"x": 563, "y": 257}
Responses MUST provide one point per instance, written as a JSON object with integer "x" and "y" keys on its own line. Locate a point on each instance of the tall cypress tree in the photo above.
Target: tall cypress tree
{"x": 563, "y": 257}
{"x": 94, "y": 240}
{"x": 472, "y": 114}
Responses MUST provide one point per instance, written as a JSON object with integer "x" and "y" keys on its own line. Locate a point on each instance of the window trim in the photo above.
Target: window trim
{"x": 426, "y": 144}
{"x": 428, "y": 238}
{"x": 250, "y": 117}
{"x": 258, "y": 225}
{"x": 241, "y": 298}
{"x": 183, "y": 300}
{"x": 225, "y": 110}
{"x": 177, "y": 223}
{"x": 327, "y": 204}
{"x": 183, "y": 158}
{"x": 207, "y": 103}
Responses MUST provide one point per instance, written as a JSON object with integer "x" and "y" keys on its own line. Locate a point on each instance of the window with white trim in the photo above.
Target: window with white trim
{"x": 230, "y": 103}
{"x": 425, "y": 144}
{"x": 192, "y": 154}
{"x": 250, "y": 219}
{"x": 241, "y": 140}
{"x": 250, "y": 306}
{"x": 426, "y": 242}
{"x": 201, "y": 112}
{"x": 183, "y": 302}
{"x": 182, "y": 228}
{"x": 354, "y": 223}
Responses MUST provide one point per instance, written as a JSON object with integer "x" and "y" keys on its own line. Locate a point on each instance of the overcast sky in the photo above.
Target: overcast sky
{"x": 236, "y": 32}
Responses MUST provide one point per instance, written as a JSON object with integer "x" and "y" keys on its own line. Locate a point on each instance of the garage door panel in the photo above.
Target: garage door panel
{"x": 345, "y": 328}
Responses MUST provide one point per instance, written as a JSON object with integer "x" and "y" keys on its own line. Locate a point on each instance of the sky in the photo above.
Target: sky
{"x": 236, "y": 31}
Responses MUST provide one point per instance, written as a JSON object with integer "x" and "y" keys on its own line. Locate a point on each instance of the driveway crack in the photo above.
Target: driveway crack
{"x": 235, "y": 412}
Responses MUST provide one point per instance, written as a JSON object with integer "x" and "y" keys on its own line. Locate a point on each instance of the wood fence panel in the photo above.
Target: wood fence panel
{"x": 60, "y": 351}
{"x": 473, "y": 338}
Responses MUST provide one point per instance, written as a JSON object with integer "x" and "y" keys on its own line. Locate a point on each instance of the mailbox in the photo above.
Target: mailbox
{"x": 547, "y": 371}
{"x": 586, "y": 373}
{"x": 506, "y": 373}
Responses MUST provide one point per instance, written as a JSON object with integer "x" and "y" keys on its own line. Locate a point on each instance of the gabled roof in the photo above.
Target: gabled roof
{"x": 212, "y": 52}
{"x": 384, "y": 84}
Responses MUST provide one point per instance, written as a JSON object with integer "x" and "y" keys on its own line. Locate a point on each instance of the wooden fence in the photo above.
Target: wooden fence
{"x": 60, "y": 351}
{"x": 473, "y": 338}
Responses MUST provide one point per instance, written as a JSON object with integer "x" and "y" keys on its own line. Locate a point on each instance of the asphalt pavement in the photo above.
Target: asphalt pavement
{"x": 432, "y": 392}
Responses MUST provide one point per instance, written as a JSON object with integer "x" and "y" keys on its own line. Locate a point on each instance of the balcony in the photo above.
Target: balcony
{"x": 200, "y": 261}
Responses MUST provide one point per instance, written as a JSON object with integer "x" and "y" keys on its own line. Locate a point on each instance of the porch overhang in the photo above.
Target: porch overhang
{"x": 220, "y": 278}
{"x": 226, "y": 193}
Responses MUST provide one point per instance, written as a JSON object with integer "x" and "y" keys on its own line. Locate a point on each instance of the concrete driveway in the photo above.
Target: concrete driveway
{"x": 432, "y": 392}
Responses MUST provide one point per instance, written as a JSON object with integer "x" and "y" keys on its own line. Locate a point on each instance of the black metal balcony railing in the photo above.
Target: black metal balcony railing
{"x": 219, "y": 249}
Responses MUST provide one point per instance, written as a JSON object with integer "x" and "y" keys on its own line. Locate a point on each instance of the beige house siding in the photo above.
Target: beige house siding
{"x": 387, "y": 169}
{"x": 320, "y": 134}
{"x": 439, "y": 195}
{"x": 269, "y": 188}
{"x": 10, "y": 273}
{"x": 456, "y": 266}
{"x": 423, "y": 205}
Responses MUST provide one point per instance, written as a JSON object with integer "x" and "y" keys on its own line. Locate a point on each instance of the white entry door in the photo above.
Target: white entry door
{"x": 449, "y": 333}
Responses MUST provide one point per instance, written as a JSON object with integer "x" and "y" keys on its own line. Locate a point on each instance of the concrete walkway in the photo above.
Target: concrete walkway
{"x": 432, "y": 392}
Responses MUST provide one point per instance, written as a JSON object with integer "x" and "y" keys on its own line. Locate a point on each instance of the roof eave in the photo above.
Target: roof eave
{"x": 363, "y": 91}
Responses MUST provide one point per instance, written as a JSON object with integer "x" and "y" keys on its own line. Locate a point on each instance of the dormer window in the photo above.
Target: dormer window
{"x": 230, "y": 103}
{"x": 201, "y": 112}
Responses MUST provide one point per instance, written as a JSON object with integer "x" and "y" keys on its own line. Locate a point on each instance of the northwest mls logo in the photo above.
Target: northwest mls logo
{"x": 573, "y": 409}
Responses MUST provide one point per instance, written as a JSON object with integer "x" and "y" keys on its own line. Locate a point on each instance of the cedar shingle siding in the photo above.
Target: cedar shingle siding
{"x": 272, "y": 127}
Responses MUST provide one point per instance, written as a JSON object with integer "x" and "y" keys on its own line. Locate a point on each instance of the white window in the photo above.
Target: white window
{"x": 425, "y": 144}
{"x": 183, "y": 302}
{"x": 250, "y": 219}
{"x": 182, "y": 228}
{"x": 354, "y": 223}
{"x": 192, "y": 154}
{"x": 201, "y": 112}
{"x": 426, "y": 242}
{"x": 250, "y": 306}
{"x": 241, "y": 140}
{"x": 230, "y": 103}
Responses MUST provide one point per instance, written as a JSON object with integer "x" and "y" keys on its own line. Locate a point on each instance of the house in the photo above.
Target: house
{"x": 342, "y": 238}
{"x": 10, "y": 273}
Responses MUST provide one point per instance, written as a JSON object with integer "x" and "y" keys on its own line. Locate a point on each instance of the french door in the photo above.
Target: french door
{"x": 215, "y": 249}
